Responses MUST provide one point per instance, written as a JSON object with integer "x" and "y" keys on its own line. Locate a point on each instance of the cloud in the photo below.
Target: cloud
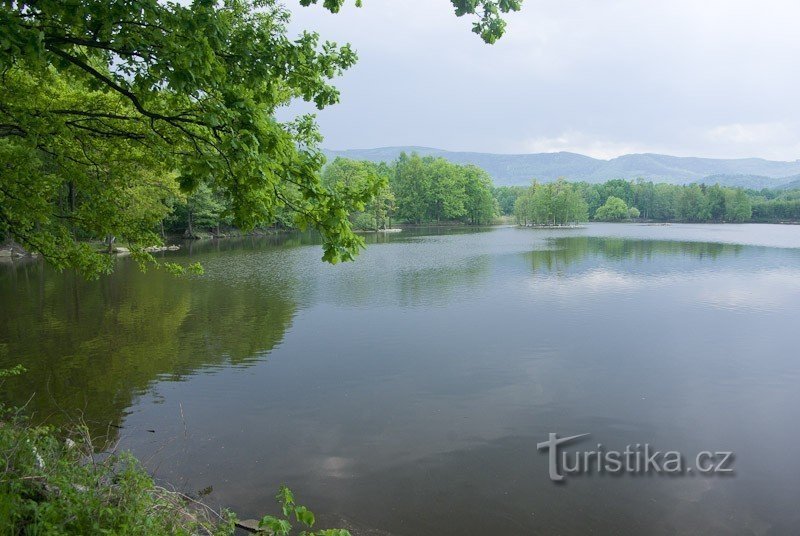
{"x": 748, "y": 134}
{"x": 578, "y": 142}
{"x": 776, "y": 139}
{"x": 713, "y": 78}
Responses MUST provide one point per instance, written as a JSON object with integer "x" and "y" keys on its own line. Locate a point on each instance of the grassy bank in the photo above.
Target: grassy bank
{"x": 57, "y": 485}
{"x": 53, "y": 481}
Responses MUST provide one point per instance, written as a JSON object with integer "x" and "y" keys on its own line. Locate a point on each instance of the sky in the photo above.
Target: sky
{"x": 712, "y": 78}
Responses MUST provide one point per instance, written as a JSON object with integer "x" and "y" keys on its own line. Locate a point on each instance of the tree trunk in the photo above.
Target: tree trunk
{"x": 71, "y": 202}
{"x": 190, "y": 227}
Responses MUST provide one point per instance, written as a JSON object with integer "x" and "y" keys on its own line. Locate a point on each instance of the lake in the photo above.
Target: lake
{"x": 405, "y": 393}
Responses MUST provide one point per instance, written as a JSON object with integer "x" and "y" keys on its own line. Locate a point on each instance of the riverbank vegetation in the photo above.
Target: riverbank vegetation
{"x": 115, "y": 116}
{"x": 54, "y": 484}
{"x": 558, "y": 203}
{"x": 621, "y": 200}
{"x": 430, "y": 190}
{"x": 427, "y": 190}
{"x": 52, "y": 481}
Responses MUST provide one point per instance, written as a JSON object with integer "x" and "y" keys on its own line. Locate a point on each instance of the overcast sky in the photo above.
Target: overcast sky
{"x": 718, "y": 78}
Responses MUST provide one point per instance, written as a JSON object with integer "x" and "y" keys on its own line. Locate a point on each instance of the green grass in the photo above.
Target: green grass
{"x": 53, "y": 482}
{"x": 50, "y": 485}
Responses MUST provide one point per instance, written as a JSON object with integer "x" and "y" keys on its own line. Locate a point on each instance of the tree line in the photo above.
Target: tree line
{"x": 426, "y": 190}
{"x": 562, "y": 202}
{"x": 412, "y": 189}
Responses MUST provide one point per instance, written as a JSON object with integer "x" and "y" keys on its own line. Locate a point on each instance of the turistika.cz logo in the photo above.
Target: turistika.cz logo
{"x": 634, "y": 459}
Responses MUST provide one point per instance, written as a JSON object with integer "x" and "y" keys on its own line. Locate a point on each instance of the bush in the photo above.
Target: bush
{"x": 364, "y": 222}
{"x": 55, "y": 483}
{"x": 50, "y": 486}
{"x": 615, "y": 209}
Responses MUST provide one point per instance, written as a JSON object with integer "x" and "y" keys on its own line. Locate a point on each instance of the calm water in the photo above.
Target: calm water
{"x": 404, "y": 394}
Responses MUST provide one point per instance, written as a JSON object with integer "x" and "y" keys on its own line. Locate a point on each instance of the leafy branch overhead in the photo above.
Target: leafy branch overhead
{"x": 110, "y": 110}
{"x": 490, "y": 24}
{"x": 104, "y": 106}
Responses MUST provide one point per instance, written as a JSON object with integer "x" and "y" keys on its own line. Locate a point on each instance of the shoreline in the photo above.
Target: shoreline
{"x": 12, "y": 252}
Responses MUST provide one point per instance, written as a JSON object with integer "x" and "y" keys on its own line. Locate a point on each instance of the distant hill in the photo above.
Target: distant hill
{"x": 755, "y": 182}
{"x": 519, "y": 169}
{"x": 794, "y": 184}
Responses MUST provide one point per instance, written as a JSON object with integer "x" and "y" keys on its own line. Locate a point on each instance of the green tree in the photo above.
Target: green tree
{"x": 68, "y": 177}
{"x": 523, "y": 209}
{"x": 343, "y": 177}
{"x": 434, "y": 189}
{"x": 591, "y": 195}
{"x": 715, "y": 198}
{"x": 693, "y": 204}
{"x": 557, "y": 203}
{"x": 618, "y": 188}
{"x": 447, "y": 196}
{"x": 411, "y": 185}
{"x": 382, "y": 206}
{"x": 160, "y": 87}
{"x": 614, "y": 209}
{"x": 506, "y": 197}
{"x": 738, "y": 207}
{"x": 665, "y": 202}
{"x": 645, "y": 195}
{"x": 542, "y": 210}
{"x": 202, "y": 210}
{"x": 481, "y": 206}
{"x": 100, "y": 98}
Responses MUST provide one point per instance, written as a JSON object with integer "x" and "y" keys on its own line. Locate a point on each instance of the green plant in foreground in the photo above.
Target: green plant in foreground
{"x": 283, "y": 527}
{"x": 55, "y": 483}
{"x": 54, "y": 486}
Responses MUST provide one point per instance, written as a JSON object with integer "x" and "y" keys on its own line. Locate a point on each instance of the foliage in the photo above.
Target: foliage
{"x": 343, "y": 176}
{"x": 781, "y": 209}
{"x": 738, "y": 207}
{"x": 429, "y": 189}
{"x": 108, "y": 108}
{"x": 507, "y": 197}
{"x": 480, "y": 205}
{"x": 693, "y": 204}
{"x": 490, "y": 25}
{"x": 202, "y": 209}
{"x": 104, "y": 103}
{"x": 67, "y": 176}
{"x": 670, "y": 202}
{"x": 52, "y": 482}
{"x": 557, "y": 203}
{"x": 282, "y": 526}
{"x": 614, "y": 209}
{"x": 16, "y": 370}
{"x": 50, "y": 486}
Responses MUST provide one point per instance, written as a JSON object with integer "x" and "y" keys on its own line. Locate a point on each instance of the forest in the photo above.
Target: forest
{"x": 619, "y": 200}
{"x": 413, "y": 189}
{"x": 429, "y": 190}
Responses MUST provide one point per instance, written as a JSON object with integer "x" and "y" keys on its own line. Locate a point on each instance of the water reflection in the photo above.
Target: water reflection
{"x": 95, "y": 346}
{"x": 561, "y": 253}
{"x": 408, "y": 390}
{"x": 91, "y": 347}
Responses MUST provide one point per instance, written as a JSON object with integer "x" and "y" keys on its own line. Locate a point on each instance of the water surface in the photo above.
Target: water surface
{"x": 405, "y": 393}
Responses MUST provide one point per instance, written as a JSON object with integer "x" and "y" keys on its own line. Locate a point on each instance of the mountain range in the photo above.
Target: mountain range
{"x": 520, "y": 169}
